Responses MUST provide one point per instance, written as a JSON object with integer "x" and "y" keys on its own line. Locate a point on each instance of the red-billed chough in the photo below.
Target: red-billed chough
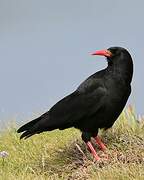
{"x": 95, "y": 104}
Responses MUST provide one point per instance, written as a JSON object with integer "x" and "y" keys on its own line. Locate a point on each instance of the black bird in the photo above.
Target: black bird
{"x": 95, "y": 104}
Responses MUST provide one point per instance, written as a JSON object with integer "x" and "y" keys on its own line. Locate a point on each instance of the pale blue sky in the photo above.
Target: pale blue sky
{"x": 45, "y": 45}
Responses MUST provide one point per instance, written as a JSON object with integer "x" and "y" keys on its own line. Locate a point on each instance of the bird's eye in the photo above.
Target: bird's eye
{"x": 115, "y": 52}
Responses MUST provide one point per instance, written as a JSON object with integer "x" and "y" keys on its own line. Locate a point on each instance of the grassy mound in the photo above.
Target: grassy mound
{"x": 56, "y": 155}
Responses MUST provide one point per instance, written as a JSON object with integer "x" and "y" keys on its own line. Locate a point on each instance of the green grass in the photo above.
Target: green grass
{"x": 54, "y": 155}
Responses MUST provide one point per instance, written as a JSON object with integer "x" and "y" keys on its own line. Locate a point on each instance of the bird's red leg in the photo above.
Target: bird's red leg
{"x": 90, "y": 146}
{"x": 100, "y": 143}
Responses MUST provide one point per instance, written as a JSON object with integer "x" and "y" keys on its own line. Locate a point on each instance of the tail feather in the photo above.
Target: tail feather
{"x": 35, "y": 126}
{"x": 29, "y": 125}
{"x": 27, "y": 134}
{"x": 27, "y": 129}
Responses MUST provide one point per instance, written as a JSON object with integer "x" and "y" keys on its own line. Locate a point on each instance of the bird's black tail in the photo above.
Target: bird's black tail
{"x": 28, "y": 129}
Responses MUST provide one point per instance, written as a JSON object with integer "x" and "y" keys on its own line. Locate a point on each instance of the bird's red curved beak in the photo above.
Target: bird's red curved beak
{"x": 104, "y": 52}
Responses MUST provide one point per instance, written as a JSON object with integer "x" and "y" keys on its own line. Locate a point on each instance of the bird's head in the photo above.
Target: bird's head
{"x": 114, "y": 54}
{"x": 119, "y": 61}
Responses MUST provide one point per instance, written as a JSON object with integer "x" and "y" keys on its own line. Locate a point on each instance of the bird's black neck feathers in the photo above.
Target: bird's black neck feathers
{"x": 122, "y": 66}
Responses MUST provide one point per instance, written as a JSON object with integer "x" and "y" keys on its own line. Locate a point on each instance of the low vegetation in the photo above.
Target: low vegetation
{"x": 63, "y": 155}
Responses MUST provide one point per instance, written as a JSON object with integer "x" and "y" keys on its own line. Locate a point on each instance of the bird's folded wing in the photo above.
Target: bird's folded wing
{"x": 83, "y": 102}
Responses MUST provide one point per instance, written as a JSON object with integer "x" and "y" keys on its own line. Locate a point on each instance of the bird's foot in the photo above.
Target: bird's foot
{"x": 100, "y": 143}
{"x": 92, "y": 150}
